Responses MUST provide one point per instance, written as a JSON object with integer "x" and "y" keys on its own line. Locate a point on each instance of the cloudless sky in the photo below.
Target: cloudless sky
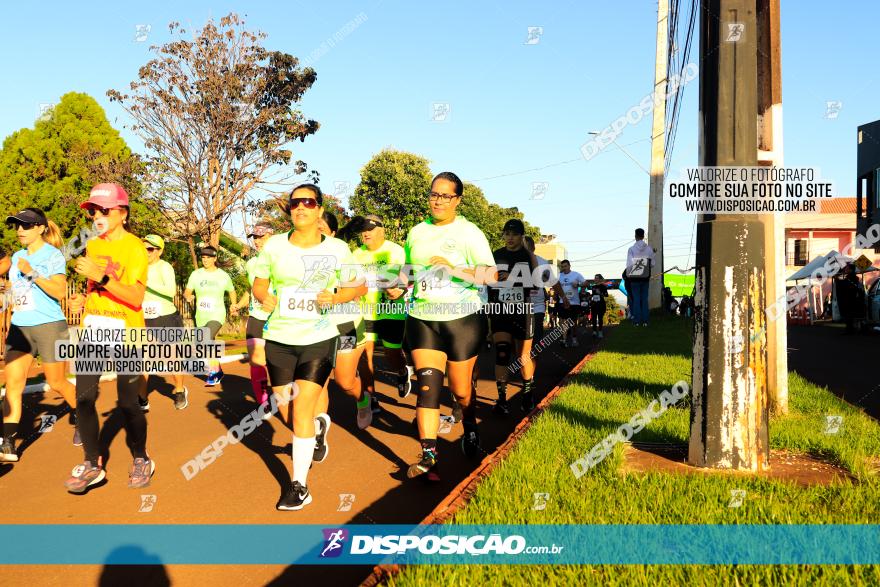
{"x": 513, "y": 106}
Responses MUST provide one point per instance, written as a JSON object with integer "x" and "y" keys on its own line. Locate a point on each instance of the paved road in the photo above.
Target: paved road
{"x": 845, "y": 364}
{"x": 243, "y": 485}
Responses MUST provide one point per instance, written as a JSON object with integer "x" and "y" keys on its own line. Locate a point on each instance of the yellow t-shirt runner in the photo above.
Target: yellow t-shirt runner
{"x": 125, "y": 260}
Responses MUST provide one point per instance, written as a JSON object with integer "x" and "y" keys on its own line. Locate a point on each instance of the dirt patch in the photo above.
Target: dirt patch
{"x": 799, "y": 468}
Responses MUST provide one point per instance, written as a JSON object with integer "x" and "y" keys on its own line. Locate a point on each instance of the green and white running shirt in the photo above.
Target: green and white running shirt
{"x": 297, "y": 275}
{"x": 436, "y": 298}
{"x": 255, "y": 308}
{"x": 209, "y": 287}
{"x": 381, "y": 265}
{"x": 160, "y": 278}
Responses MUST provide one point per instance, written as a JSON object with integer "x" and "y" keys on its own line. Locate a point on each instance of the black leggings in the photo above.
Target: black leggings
{"x": 597, "y": 315}
{"x": 127, "y": 387}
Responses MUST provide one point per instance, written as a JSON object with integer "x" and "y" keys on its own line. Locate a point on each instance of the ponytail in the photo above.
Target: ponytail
{"x": 52, "y": 235}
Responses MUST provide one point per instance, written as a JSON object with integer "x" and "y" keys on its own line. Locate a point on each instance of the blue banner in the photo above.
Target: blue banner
{"x": 440, "y": 544}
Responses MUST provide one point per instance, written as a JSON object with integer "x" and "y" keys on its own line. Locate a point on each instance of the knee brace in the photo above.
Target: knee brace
{"x": 430, "y": 384}
{"x": 503, "y": 352}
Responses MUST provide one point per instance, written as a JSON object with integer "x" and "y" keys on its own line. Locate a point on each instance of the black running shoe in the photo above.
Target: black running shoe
{"x": 528, "y": 401}
{"x": 457, "y": 413}
{"x": 7, "y": 451}
{"x": 426, "y": 464}
{"x": 375, "y": 407}
{"x": 144, "y": 404}
{"x": 404, "y": 383}
{"x": 470, "y": 442}
{"x": 322, "y": 427}
{"x": 501, "y": 407}
{"x": 296, "y": 498}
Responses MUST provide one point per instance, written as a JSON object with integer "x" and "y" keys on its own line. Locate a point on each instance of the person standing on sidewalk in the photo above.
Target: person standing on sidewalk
{"x": 38, "y": 280}
{"x": 571, "y": 282}
{"x": 115, "y": 265}
{"x": 639, "y": 263}
{"x": 160, "y": 311}
{"x": 209, "y": 284}
{"x": 598, "y": 307}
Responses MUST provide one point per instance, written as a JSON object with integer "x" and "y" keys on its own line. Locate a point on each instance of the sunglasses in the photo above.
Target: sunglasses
{"x": 104, "y": 211}
{"x": 151, "y": 249}
{"x": 309, "y": 203}
{"x": 24, "y": 225}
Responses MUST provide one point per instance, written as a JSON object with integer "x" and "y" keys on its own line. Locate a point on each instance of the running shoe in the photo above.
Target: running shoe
{"x": 375, "y": 407}
{"x": 322, "y": 427}
{"x": 181, "y": 399}
{"x": 77, "y": 439}
{"x": 404, "y": 383}
{"x": 84, "y": 476}
{"x": 470, "y": 442}
{"x": 144, "y": 404}
{"x": 501, "y": 407}
{"x": 426, "y": 464}
{"x": 364, "y": 412}
{"x": 457, "y": 413}
{"x": 141, "y": 471}
{"x": 7, "y": 452}
{"x": 214, "y": 378}
{"x": 528, "y": 402}
{"x": 296, "y": 498}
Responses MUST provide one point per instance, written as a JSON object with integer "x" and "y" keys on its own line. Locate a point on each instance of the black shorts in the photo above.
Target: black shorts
{"x": 572, "y": 313}
{"x": 312, "y": 362}
{"x": 37, "y": 340}
{"x": 461, "y": 339}
{"x": 214, "y": 327}
{"x": 519, "y": 326}
{"x": 174, "y": 320}
{"x": 254, "y": 328}
{"x": 389, "y": 332}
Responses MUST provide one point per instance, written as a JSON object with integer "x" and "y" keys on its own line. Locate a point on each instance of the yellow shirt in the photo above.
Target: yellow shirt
{"x": 125, "y": 260}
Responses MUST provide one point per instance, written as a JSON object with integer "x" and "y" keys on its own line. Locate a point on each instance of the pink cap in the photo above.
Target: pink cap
{"x": 106, "y": 195}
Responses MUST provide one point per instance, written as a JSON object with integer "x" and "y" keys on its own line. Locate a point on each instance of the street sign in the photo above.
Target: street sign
{"x": 862, "y": 263}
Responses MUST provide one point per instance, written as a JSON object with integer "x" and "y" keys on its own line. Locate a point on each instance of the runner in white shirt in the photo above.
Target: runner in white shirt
{"x": 571, "y": 282}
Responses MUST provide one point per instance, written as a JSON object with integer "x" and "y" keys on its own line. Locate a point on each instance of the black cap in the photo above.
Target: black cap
{"x": 27, "y": 217}
{"x": 514, "y": 225}
{"x": 208, "y": 252}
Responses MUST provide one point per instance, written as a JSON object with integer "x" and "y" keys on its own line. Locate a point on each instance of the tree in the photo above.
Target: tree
{"x": 394, "y": 185}
{"x": 217, "y": 115}
{"x": 490, "y": 217}
{"x": 54, "y": 165}
{"x": 273, "y": 212}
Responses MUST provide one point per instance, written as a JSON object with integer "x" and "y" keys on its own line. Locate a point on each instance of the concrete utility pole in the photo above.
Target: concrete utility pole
{"x": 770, "y": 154}
{"x": 658, "y": 155}
{"x": 729, "y": 411}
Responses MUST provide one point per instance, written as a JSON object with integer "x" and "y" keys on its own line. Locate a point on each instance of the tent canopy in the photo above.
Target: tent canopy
{"x": 807, "y": 270}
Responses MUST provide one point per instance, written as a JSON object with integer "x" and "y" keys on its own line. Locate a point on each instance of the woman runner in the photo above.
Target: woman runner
{"x": 303, "y": 267}
{"x": 38, "y": 281}
{"x": 115, "y": 265}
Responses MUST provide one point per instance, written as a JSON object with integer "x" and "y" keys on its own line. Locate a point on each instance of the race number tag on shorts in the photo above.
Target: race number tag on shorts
{"x": 103, "y": 322}
{"x": 151, "y": 310}
{"x": 511, "y": 295}
{"x": 597, "y": 298}
{"x": 23, "y": 299}
{"x": 206, "y": 305}
{"x": 298, "y": 304}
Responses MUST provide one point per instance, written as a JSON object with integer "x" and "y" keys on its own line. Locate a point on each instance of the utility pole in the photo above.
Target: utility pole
{"x": 729, "y": 411}
{"x": 770, "y": 154}
{"x": 658, "y": 156}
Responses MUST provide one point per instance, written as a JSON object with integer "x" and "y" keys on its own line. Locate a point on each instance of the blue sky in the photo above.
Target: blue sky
{"x": 513, "y": 106}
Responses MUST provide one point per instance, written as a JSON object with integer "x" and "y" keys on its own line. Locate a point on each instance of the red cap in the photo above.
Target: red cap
{"x": 106, "y": 195}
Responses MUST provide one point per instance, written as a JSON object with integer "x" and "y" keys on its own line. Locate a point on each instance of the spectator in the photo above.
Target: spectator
{"x": 639, "y": 262}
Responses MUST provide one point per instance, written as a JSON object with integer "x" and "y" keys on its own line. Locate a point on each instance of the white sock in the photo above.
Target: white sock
{"x": 303, "y": 451}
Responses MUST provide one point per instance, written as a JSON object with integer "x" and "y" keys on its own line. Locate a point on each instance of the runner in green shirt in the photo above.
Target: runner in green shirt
{"x": 257, "y": 317}
{"x": 304, "y": 268}
{"x": 449, "y": 259}
{"x": 209, "y": 284}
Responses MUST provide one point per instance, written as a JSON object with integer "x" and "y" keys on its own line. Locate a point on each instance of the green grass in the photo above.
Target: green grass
{"x": 634, "y": 367}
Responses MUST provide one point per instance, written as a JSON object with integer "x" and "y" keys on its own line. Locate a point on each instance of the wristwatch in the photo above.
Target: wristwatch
{"x": 104, "y": 280}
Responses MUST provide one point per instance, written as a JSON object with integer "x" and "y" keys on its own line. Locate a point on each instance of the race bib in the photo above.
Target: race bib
{"x": 372, "y": 282}
{"x": 511, "y": 295}
{"x": 596, "y": 298}
{"x": 151, "y": 309}
{"x": 584, "y": 303}
{"x": 436, "y": 288}
{"x": 103, "y": 322}
{"x": 23, "y": 299}
{"x": 206, "y": 305}
{"x": 294, "y": 303}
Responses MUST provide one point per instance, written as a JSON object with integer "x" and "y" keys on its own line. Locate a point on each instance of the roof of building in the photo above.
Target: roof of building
{"x": 838, "y": 206}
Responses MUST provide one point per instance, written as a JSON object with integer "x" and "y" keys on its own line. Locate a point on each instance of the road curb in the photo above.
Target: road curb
{"x": 462, "y": 493}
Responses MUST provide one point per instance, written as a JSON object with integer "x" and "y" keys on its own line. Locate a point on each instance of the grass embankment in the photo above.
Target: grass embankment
{"x": 634, "y": 366}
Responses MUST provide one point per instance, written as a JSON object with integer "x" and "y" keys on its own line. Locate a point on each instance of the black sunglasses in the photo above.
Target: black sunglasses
{"x": 309, "y": 203}
{"x": 151, "y": 249}
{"x": 92, "y": 209}
{"x": 24, "y": 225}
